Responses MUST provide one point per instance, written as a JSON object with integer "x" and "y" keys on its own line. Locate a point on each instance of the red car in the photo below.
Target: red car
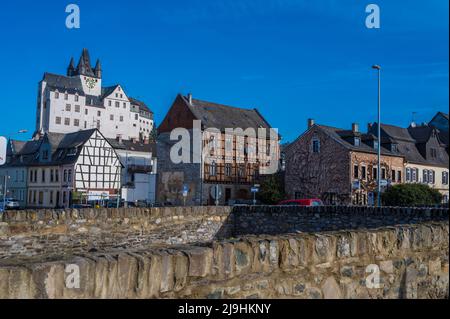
{"x": 302, "y": 202}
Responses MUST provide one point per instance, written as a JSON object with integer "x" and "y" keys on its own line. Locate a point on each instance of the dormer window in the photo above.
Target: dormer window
{"x": 45, "y": 155}
{"x": 56, "y": 95}
{"x": 394, "y": 147}
{"x": 357, "y": 141}
{"x": 375, "y": 144}
{"x": 72, "y": 152}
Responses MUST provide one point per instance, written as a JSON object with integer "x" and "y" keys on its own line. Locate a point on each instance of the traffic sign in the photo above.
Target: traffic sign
{"x": 3, "y": 144}
{"x": 383, "y": 183}
{"x": 216, "y": 192}
{"x": 254, "y": 189}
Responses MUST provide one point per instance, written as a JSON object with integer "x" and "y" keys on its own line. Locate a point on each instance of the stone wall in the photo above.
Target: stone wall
{"x": 411, "y": 260}
{"x": 54, "y": 233}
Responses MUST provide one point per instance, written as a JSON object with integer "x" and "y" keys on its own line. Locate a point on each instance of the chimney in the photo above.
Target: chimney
{"x": 355, "y": 127}
{"x": 310, "y": 123}
{"x": 369, "y": 127}
{"x": 189, "y": 96}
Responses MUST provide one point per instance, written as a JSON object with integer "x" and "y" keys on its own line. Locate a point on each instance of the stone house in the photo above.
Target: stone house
{"x": 220, "y": 151}
{"x": 338, "y": 166}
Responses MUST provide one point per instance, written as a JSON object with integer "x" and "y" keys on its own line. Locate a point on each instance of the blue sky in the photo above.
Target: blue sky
{"x": 291, "y": 59}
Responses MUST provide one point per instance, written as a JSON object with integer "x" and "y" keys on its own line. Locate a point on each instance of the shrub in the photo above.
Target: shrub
{"x": 411, "y": 195}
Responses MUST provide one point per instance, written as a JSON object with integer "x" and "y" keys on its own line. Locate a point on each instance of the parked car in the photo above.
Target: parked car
{"x": 11, "y": 203}
{"x": 301, "y": 202}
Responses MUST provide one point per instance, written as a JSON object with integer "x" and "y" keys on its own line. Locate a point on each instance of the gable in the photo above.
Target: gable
{"x": 179, "y": 115}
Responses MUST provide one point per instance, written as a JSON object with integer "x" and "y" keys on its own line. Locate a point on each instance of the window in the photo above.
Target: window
{"x": 99, "y": 113}
{"x": 355, "y": 171}
{"x": 111, "y": 117}
{"x": 45, "y": 155}
{"x": 56, "y": 95}
{"x": 64, "y": 199}
{"x": 31, "y": 176}
{"x": 394, "y": 148}
{"x": 76, "y": 98}
{"x": 363, "y": 172}
{"x": 41, "y": 198}
{"x": 121, "y": 118}
{"x": 43, "y": 176}
{"x": 213, "y": 169}
{"x": 383, "y": 173}
{"x": 357, "y": 141}
{"x": 117, "y": 104}
{"x": 51, "y": 197}
{"x": 433, "y": 153}
{"x": 408, "y": 174}
{"x": 98, "y": 124}
{"x": 444, "y": 178}
{"x": 241, "y": 170}
{"x": 52, "y": 176}
{"x": 228, "y": 169}
{"x": 86, "y": 111}
{"x": 67, "y": 121}
{"x": 399, "y": 176}
{"x": 109, "y": 103}
{"x": 77, "y": 108}
{"x": 316, "y": 146}
{"x": 414, "y": 174}
{"x": 124, "y": 105}
{"x": 85, "y": 124}
{"x": 425, "y": 176}
{"x": 393, "y": 174}
{"x": 136, "y": 117}
{"x": 431, "y": 176}
{"x": 65, "y": 176}
{"x": 375, "y": 144}
{"x": 76, "y": 122}
{"x": 66, "y": 96}
{"x": 375, "y": 173}
{"x": 69, "y": 176}
{"x": 57, "y": 175}
{"x": 58, "y": 120}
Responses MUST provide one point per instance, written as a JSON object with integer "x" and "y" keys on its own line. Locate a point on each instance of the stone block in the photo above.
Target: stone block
{"x": 330, "y": 289}
{"x": 200, "y": 259}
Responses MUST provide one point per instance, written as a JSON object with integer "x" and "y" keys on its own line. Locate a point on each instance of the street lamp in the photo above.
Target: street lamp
{"x": 378, "y": 68}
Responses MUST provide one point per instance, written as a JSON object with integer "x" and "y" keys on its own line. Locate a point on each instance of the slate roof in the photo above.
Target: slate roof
{"x": 60, "y": 144}
{"x": 223, "y": 116}
{"x": 132, "y": 146}
{"x": 142, "y": 106}
{"x": 339, "y": 135}
{"x": 408, "y": 139}
{"x": 63, "y": 83}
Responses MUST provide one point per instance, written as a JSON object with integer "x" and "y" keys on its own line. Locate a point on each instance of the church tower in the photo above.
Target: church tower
{"x": 91, "y": 78}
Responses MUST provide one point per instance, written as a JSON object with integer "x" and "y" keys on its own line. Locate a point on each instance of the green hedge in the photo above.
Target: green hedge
{"x": 411, "y": 195}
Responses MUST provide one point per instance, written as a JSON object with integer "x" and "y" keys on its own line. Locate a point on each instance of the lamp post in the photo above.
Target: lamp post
{"x": 378, "y": 68}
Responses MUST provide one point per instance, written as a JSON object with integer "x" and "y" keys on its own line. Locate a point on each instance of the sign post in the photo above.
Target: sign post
{"x": 185, "y": 193}
{"x": 254, "y": 190}
{"x": 216, "y": 193}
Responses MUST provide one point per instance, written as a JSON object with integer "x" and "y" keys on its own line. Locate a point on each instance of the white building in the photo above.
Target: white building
{"x": 78, "y": 101}
{"x": 139, "y": 173}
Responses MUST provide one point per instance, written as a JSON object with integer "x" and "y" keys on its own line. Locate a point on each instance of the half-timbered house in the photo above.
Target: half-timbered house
{"x": 63, "y": 169}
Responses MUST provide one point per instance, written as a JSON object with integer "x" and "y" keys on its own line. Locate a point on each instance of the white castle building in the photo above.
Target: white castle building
{"x": 78, "y": 101}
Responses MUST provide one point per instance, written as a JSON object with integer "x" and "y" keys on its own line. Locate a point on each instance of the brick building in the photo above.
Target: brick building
{"x": 339, "y": 166}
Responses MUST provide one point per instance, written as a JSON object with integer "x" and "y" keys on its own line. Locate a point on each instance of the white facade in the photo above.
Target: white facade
{"x": 138, "y": 176}
{"x": 78, "y": 101}
{"x": 434, "y": 176}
